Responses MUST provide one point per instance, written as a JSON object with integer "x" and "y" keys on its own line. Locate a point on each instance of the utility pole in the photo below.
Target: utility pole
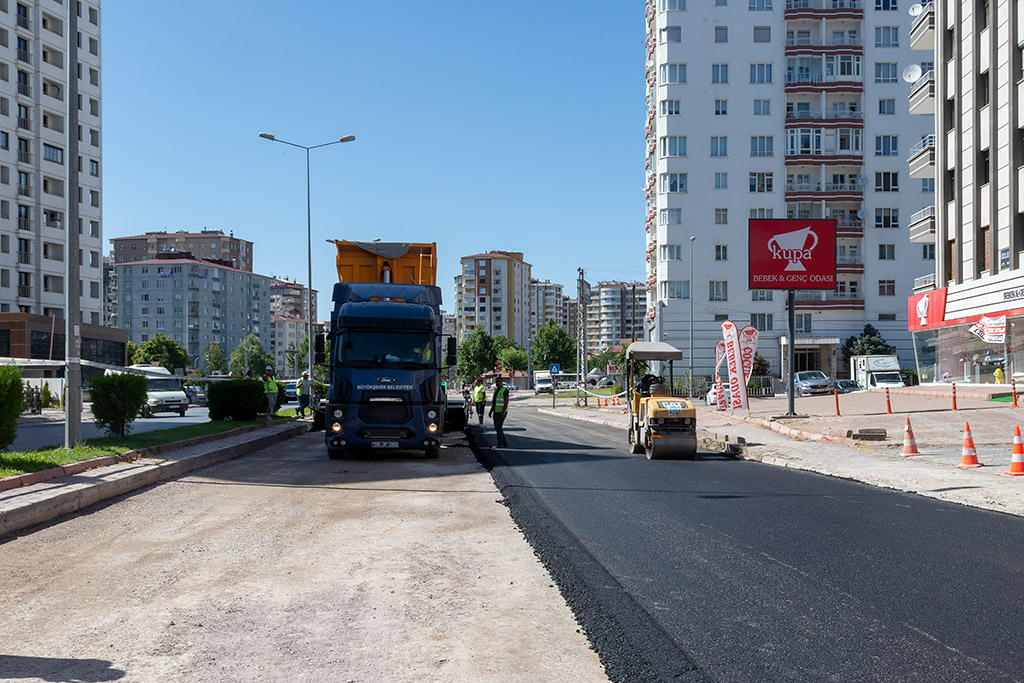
{"x": 72, "y": 269}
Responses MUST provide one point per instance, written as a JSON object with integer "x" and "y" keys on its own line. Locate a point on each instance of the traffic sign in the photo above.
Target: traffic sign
{"x": 555, "y": 369}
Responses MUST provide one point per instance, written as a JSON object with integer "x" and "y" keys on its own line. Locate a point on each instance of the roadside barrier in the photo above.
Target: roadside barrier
{"x": 954, "y": 395}
{"x": 969, "y": 456}
{"x": 836, "y": 393}
{"x": 909, "y": 444}
{"x": 888, "y": 405}
{"x": 1017, "y": 462}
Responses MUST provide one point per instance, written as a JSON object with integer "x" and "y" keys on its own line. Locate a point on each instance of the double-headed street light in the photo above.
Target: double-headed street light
{"x": 309, "y": 235}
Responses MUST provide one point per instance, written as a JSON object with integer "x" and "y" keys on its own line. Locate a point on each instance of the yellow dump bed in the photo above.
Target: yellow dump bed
{"x": 397, "y": 262}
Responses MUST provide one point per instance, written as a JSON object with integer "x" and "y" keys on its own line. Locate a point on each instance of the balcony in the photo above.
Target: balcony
{"x": 922, "y": 29}
{"x": 805, "y": 47}
{"x": 24, "y": 56}
{"x": 818, "y": 9}
{"x": 798, "y": 116}
{"x": 849, "y": 264}
{"x": 23, "y": 22}
{"x": 816, "y": 81}
{"x": 850, "y": 227}
{"x": 922, "y": 94}
{"x": 24, "y": 190}
{"x": 922, "y": 158}
{"x": 924, "y": 283}
{"x": 828, "y": 300}
{"x": 24, "y": 290}
{"x": 24, "y": 157}
{"x": 24, "y": 123}
{"x": 24, "y": 223}
{"x": 853, "y": 192}
{"x": 801, "y": 156}
{"x": 25, "y": 257}
{"x": 24, "y": 89}
{"x": 922, "y": 226}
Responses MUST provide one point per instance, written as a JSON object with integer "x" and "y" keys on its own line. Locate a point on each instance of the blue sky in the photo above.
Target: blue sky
{"x": 514, "y": 126}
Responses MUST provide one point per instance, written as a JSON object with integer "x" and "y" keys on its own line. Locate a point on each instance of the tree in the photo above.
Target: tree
{"x": 869, "y": 343}
{"x": 513, "y": 359}
{"x": 11, "y": 397}
{"x": 117, "y": 400}
{"x": 214, "y": 358}
{"x": 162, "y": 351}
{"x": 291, "y": 358}
{"x": 499, "y": 344}
{"x": 258, "y": 358}
{"x": 601, "y": 360}
{"x": 761, "y": 367}
{"x": 552, "y": 344}
{"x": 476, "y": 355}
{"x": 129, "y": 352}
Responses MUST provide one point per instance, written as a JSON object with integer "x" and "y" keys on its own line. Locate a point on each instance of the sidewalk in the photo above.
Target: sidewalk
{"x": 933, "y": 474}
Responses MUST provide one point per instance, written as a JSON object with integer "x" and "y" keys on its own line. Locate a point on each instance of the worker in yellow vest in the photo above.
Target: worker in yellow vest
{"x": 499, "y": 410}
{"x": 479, "y": 398}
{"x": 303, "y": 391}
{"x": 270, "y": 387}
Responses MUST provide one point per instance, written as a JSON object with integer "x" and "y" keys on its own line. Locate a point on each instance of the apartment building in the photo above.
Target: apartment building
{"x": 493, "y": 291}
{"x": 964, "y": 315}
{"x": 203, "y": 244}
{"x": 33, "y": 167}
{"x": 545, "y": 304}
{"x": 616, "y": 312}
{"x": 289, "y": 298}
{"x": 109, "y": 292}
{"x": 289, "y": 333}
{"x": 570, "y": 314}
{"x": 780, "y": 109}
{"x": 194, "y": 301}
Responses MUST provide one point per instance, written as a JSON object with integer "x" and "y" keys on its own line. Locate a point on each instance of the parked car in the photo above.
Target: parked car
{"x": 846, "y": 386}
{"x": 289, "y": 391}
{"x": 811, "y": 382}
{"x": 712, "y": 395}
{"x": 604, "y": 382}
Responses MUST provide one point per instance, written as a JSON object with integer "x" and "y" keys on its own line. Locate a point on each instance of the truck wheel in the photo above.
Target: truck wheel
{"x": 182, "y": 412}
{"x": 146, "y": 412}
{"x": 432, "y": 453}
{"x": 336, "y": 453}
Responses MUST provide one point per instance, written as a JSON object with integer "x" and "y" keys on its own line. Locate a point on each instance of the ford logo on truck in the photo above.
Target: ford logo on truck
{"x": 386, "y": 380}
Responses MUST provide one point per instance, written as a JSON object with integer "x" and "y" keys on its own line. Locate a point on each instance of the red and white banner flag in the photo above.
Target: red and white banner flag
{"x": 748, "y": 347}
{"x": 719, "y": 391}
{"x": 733, "y": 360}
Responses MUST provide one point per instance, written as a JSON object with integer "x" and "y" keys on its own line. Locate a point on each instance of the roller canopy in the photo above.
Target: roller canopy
{"x": 652, "y": 351}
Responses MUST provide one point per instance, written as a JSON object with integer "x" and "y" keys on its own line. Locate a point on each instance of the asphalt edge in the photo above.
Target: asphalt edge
{"x": 588, "y": 588}
{"x": 76, "y": 496}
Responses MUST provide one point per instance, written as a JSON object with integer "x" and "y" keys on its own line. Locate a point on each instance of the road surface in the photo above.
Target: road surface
{"x": 39, "y": 434}
{"x": 729, "y": 570}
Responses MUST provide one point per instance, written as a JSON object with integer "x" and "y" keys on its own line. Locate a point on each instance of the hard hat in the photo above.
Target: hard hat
{"x": 269, "y": 368}
{"x": 305, "y": 373}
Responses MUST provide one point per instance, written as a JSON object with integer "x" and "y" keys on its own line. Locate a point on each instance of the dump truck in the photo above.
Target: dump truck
{"x": 387, "y": 351}
{"x": 660, "y": 425}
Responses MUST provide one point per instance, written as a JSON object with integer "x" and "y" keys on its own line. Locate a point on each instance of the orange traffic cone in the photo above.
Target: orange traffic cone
{"x": 970, "y": 453}
{"x": 1017, "y": 462}
{"x": 909, "y": 445}
{"x": 617, "y": 402}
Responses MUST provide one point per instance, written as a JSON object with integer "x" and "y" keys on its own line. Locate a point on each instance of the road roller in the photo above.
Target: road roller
{"x": 660, "y": 424}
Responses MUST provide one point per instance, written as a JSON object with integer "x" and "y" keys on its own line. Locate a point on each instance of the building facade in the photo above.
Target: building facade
{"x": 975, "y": 223}
{"x": 33, "y": 167}
{"x": 203, "y": 244}
{"x": 194, "y": 302}
{"x": 289, "y": 298}
{"x": 289, "y": 333}
{"x": 493, "y": 292}
{"x": 616, "y": 312}
{"x": 570, "y": 314}
{"x": 780, "y": 109}
{"x": 545, "y": 304}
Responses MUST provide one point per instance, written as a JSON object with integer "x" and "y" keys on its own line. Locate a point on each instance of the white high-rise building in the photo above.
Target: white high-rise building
{"x": 493, "y": 292}
{"x": 33, "y": 159}
{"x": 975, "y": 221}
{"x": 545, "y": 304}
{"x": 615, "y": 313}
{"x": 780, "y": 109}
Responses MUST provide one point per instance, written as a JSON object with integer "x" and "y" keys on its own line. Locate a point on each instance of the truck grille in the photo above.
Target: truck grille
{"x": 385, "y": 408}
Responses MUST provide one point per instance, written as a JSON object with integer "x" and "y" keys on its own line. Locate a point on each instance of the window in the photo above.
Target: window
{"x": 673, "y": 182}
{"x": 718, "y": 290}
{"x": 886, "y": 252}
{"x": 887, "y": 36}
{"x": 762, "y": 107}
{"x": 803, "y": 323}
{"x": 887, "y": 218}
{"x": 885, "y": 145}
{"x": 760, "y": 182}
{"x": 721, "y": 252}
{"x": 762, "y": 213}
{"x": 671, "y": 216}
{"x": 762, "y": 321}
{"x": 721, "y": 216}
{"x": 719, "y": 145}
{"x": 673, "y": 5}
{"x": 887, "y": 181}
{"x": 928, "y": 252}
{"x": 928, "y": 185}
{"x": 671, "y": 34}
{"x": 887, "y": 106}
{"x": 670, "y": 107}
{"x": 94, "y": 167}
{"x": 673, "y": 73}
{"x": 886, "y": 288}
{"x": 885, "y": 72}
{"x": 721, "y": 3}
{"x": 673, "y": 146}
{"x": 721, "y": 181}
{"x": 761, "y": 146}
{"x": 885, "y": 5}
{"x": 54, "y": 154}
{"x": 721, "y": 34}
{"x": 675, "y": 289}
{"x": 760, "y": 295}
{"x": 721, "y": 107}
{"x": 762, "y": 34}
{"x": 719, "y": 73}
{"x": 761, "y": 73}
{"x": 760, "y": 6}
{"x": 671, "y": 252}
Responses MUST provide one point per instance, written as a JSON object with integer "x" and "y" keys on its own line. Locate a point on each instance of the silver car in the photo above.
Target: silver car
{"x": 811, "y": 382}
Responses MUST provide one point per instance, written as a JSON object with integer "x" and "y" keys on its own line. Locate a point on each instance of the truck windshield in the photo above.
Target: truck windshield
{"x": 887, "y": 377}
{"x": 163, "y": 384}
{"x": 376, "y": 347}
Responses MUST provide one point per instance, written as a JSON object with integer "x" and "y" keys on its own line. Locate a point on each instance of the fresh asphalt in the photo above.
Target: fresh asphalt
{"x": 728, "y": 570}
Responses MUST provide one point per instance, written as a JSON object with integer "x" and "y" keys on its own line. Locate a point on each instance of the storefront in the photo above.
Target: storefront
{"x": 978, "y": 349}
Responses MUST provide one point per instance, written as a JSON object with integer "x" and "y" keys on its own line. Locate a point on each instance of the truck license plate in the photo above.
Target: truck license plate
{"x": 383, "y": 444}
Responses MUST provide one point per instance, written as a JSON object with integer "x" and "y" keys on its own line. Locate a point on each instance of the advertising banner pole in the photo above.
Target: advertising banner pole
{"x": 790, "y": 383}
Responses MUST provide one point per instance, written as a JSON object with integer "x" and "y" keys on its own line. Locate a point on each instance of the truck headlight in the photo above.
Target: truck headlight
{"x": 336, "y": 427}
{"x": 338, "y": 413}
{"x": 431, "y": 414}
{"x": 432, "y": 428}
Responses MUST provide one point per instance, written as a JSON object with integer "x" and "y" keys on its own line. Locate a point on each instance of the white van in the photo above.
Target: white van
{"x": 164, "y": 393}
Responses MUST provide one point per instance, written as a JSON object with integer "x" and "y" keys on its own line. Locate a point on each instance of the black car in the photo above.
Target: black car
{"x": 845, "y": 386}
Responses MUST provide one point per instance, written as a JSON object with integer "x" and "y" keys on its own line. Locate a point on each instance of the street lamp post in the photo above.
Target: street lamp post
{"x": 309, "y": 236}
{"x": 693, "y": 239}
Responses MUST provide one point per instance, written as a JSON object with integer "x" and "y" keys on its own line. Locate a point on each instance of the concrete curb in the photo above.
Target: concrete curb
{"x": 66, "y": 497}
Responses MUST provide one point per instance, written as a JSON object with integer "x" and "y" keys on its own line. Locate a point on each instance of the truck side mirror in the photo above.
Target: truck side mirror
{"x": 452, "y": 356}
{"x": 319, "y": 357}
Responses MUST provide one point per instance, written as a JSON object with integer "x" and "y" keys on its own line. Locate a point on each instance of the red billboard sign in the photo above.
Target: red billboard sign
{"x": 792, "y": 253}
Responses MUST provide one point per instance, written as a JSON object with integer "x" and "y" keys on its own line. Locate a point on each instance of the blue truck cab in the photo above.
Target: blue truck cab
{"x": 385, "y": 369}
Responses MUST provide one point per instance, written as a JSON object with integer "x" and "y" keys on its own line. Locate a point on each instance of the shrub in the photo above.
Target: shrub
{"x": 117, "y": 400}
{"x": 282, "y": 397}
{"x": 10, "y": 403}
{"x": 616, "y": 388}
{"x": 237, "y": 399}
{"x": 44, "y": 395}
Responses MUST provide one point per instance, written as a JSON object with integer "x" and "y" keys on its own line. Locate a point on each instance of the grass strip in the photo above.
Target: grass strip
{"x": 22, "y": 462}
{"x": 1003, "y": 399}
